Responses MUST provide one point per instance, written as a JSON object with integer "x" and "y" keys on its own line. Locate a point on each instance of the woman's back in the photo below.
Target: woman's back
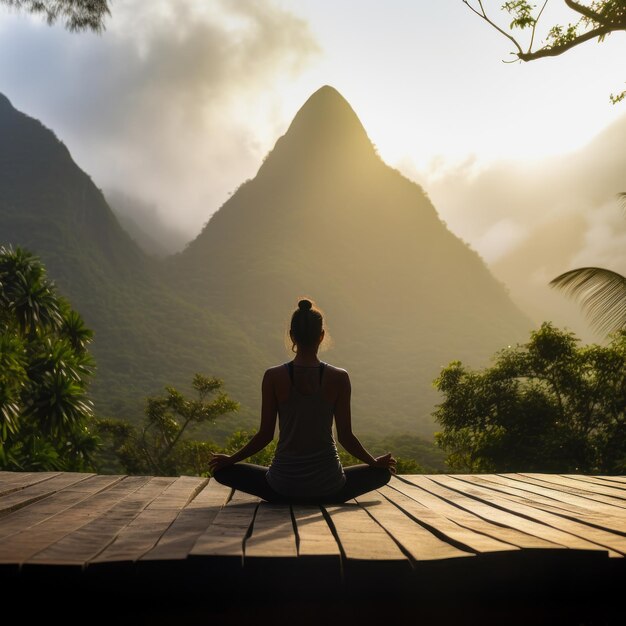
{"x": 306, "y": 461}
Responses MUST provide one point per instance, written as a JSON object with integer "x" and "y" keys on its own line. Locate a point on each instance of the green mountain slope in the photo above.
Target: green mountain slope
{"x": 146, "y": 335}
{"x": 326, "y": 217}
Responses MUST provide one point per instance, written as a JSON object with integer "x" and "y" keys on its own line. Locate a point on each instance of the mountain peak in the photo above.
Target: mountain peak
{"x": 326, "y": 100}
{"x": 325, "y": 131}
{"x": 328, "y": 114}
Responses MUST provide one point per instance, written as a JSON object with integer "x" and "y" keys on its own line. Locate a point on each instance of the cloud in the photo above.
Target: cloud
{"x": 165, "y": 104}
{"x": 500, "y": 238}
{"x": 533, "y": 221}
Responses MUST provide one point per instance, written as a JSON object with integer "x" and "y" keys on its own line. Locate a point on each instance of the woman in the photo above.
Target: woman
{"x": 305, "y": 394}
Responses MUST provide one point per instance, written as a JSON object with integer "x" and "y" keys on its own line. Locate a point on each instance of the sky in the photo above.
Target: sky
{"x": 178, "y": 101}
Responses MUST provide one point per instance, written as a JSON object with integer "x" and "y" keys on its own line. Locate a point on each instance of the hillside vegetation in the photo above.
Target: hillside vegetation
{"x": 323, "y": 217}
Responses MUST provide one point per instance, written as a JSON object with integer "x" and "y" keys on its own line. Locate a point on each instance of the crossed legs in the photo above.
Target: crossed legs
{"x": 251, "y": 478}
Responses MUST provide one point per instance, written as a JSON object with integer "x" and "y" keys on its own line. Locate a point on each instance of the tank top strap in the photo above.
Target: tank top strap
{"x": 290, "y": 367}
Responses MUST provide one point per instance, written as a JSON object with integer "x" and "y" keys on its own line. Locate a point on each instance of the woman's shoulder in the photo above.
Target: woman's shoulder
{"x": 338, "y": 373}
{"x": 270, "y": 372}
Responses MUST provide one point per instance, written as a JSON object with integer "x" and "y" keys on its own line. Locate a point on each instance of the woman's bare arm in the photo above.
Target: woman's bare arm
{"x": 350, "y": 442}
{"x": 269, "y": 410}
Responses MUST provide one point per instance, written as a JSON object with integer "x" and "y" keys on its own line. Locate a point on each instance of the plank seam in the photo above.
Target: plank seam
{"x": 67, "y": 508}
{"x": 554, "y": 487}
{"x": 335, "y": 534}
{"x": 5, "y": 491}
{"x": 435, "y": 531}
{"x": 295, "y": 530}
{"x": 248, "y": 532}
{"x": 35, "y": 499}
{"x": 459, "y": 506}
{"x": 123, "y": 528}
{"x": 528, "y": 517}
{"x": 539, "y": 505}
{"x": 404, "y": 551}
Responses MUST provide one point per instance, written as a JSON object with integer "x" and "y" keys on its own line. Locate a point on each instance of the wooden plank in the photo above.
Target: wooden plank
{"x": 226, "y": 535}
{"x": 40, "y": 511}
{"x": 22, "y": 546}
{"x": 87, "y": 541}
{"x": 614, "y": 479}
{"x": 193, "y": 520}
{"x": 498, "y": 516}
{"x": 365, "y": 545}
{"x": 452, "y": 532}
{"x": 598, "y": 480}
{"x": 14, "y": 481}
{"x": 417, "y": 541}
{"x": 39, "y": 490}
{"x": 537, "y": 487}
{"x": 273, "y": 534}
{"x": 145, "y": 530}
{"x": 583, "y": 488}
{"x": 568, "y": 533}
{"x": 502, "y": 486}
{"x": 315, "y": 538}
{"x": 497, "y": 537}
{"x": 605, "y": 520}
{"x": 564, "y": 490}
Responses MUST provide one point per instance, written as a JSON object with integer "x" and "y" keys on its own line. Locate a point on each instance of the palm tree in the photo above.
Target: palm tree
{"x": 45, "y": 370}
{"x": 601, "y": 292}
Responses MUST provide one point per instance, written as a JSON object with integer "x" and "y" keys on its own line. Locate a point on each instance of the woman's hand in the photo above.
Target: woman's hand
{"x": 386, "y": 461}
{"x": 218, "y": 461}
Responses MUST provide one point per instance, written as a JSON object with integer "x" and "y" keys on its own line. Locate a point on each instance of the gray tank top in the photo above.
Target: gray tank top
{"x": 306, "y": 462}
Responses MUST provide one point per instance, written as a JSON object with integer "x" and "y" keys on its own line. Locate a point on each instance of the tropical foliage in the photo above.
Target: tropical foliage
{"x": 158, "y": 446}
{"x": 45, "y": 370}
{"x": 601, "y": 292}
{"x": 549, "y": 405}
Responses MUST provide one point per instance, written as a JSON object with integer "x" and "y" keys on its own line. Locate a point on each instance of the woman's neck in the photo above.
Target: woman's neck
{"x": 306, "y": 356}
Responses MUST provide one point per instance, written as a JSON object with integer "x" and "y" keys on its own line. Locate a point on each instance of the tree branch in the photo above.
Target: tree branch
{"x": 177, "y": 437}
{"x": 532, "y": 35}
{"x": 557, "y": 50}
{"x": 586, "y": 11}
{"x": 483, "y": 16}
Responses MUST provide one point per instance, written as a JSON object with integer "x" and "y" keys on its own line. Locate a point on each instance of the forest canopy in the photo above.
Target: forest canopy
{"x": 549, "y": 405}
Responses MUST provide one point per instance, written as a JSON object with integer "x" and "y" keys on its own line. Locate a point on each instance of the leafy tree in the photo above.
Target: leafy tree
{"x": 158, "y": 447}
{"x": 45, "y": 370}
{"x": 602, "y": 293}
{"x": 548, "y": 406}
{"x": 593, "y": 20}
{"x": 79, "y": 15}
{"x": 240, "y": 438}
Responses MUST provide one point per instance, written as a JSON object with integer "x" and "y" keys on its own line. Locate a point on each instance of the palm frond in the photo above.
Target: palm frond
{"x": 601, "y": 293}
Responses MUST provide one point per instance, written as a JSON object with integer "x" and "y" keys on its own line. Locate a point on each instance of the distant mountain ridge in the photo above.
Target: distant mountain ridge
{"x": 324, "y": 217}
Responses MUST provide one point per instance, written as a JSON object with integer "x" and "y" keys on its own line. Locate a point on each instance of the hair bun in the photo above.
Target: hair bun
{"x": 305, "y": 305}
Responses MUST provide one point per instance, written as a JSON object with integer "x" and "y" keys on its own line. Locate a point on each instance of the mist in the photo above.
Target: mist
{"x": 531, "y": 221}
{"x": 160, "y": 106}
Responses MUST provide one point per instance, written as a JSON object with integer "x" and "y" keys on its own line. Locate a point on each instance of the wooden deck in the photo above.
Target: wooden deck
{"x": 423, "y": 540}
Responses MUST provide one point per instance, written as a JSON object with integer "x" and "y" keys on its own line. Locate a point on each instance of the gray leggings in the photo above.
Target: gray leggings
{"x": 251, "y": 478}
